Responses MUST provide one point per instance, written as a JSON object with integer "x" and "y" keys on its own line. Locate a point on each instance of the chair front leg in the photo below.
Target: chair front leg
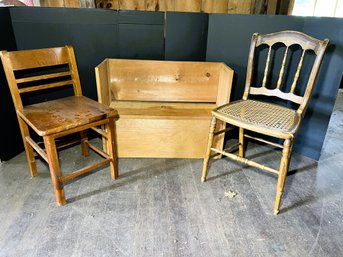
{"x": 241, "y": 143}
{"x": 284, "y": 164}
{"x": 30, "y": 155}
{"x": 55, "y": 170}
{"x": 112, "y": 148}
{"x": 208, "y": 151}
{"x": 84, "y": 146}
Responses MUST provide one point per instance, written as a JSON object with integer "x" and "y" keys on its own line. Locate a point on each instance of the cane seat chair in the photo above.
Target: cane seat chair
{"x": 264, "y": 117}
{"x": 33, "y": 70}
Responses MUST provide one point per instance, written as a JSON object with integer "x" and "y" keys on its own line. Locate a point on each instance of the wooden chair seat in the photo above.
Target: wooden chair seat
{"x": 66, "y": 113}
{"x": 261, "y": 117}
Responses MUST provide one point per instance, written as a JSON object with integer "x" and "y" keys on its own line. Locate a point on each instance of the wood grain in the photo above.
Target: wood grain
{"x": 108, "y": 4}
{"x": 188, "y": 6}
{"x": 163, "y": 81}
{"x": 131, "y": 5}
{"x": 211, "y": 6}
{"x": 158, "y": 100}
{"x": 162, "y": 138}
{"x": 240, "y": 6}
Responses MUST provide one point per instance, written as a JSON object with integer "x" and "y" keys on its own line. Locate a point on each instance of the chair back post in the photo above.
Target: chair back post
{"x": 6, "y": 62}
{"x": 250, "y": 67}
{"x": 313, "y": 76}
{"x": 74, "y": 71}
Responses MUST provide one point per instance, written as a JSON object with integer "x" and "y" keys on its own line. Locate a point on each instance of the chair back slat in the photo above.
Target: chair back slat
{"x": 276, "y": 92}
{"x": 40, "y": 69}
{"x": 29, "y": 59}
{"x": 282, "y": 70}
{"x": 297, "y": 73}
{"x": 45, "y": 86}
{"x": 287, "y": 39}
{"x": 42, "y": 77}
{"x": 266, "y": 69}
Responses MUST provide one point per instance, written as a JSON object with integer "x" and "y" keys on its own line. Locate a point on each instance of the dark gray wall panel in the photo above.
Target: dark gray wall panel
{"x": 186, "y": 36}
{"x": 141, "y": 35}
{"x": 11, "y": 143}
{"x": 92, "y": 33}
{"x": 229, "y": 40}
{"x": 312, "y": 134}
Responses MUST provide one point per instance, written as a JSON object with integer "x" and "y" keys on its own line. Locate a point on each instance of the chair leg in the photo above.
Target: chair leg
{"x": 104, "y": 140}
{"x": 241, "y": 143}
{"x": 284, "y": 164}
{"x": 84, "y": 146}
{"x": 55, "y": 169}
{"x": 30, "y": 155}
{"x": 112, "y": 148}
{"x": 208, "y": 151}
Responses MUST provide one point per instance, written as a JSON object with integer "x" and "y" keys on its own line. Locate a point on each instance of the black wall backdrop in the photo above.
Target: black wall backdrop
{"x": 97, "y": 34}
{"x": 11, "y": 142}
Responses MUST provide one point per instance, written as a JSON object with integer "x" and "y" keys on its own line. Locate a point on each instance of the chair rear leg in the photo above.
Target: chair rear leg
{"x": 30, "y": 155}
{"x": 112, "y": 148}
{"x": 55, "y": 170}
{"x": 284, "y": 164}
{"x": 84, "y": 146}
{"x": 208, "y": 151}
{"x": 241, "y": 143}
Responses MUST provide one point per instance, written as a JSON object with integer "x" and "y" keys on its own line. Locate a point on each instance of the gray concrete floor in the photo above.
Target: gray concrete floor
{"x": 159, "y": 207}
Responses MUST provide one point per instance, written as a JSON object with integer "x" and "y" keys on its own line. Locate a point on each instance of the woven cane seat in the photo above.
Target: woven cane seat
{"x": 260, "y": 116}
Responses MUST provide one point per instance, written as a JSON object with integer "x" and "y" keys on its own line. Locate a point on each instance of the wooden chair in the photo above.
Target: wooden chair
{"x": 269, "y": 118}
{"x": 33, "y": 70}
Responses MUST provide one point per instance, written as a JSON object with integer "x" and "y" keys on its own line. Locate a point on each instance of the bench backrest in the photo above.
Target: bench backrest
{"x": 171, "y": 81}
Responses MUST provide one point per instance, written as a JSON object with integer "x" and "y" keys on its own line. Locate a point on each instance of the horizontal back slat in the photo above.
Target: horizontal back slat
{"x": 45, "y": 86}
{"x": 277, "y": 93}
{"x": 41, "y": 77}
{"x": 28, "y": 59}
{"x": 290, "y": 38}
{"x": 163, "y": 80}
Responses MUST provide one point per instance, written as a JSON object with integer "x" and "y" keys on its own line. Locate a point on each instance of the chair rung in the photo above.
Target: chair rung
{"x": 100, "y": 131}
{"x": 223, "y": 130}
{"x": 264, "y": 141}
{"x": 246, "y": 161}
{"x": 97, "y": 150}
{"x": 69, "y": 143}
{"x": 38, "y": 149}
{"x": 85, "y": 170}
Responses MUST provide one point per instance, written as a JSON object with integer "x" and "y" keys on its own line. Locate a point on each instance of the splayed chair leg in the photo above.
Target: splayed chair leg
{"x": 208, "y": 151}
{"x": 284, "y": 164}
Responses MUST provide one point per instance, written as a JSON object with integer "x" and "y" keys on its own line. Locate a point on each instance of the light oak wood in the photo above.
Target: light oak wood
{"x": 163, "y": 80}
{"x": 219, "y": 6}
{"x": 240, "y": 6}
{"x": 188, "y": 6}
{"x": 57, "y": 118}
{"x": 108, "y": 4}
{"x": 164, "y": 106}
{"x": 131, "y": 5}
{"x": 264, "y": 117}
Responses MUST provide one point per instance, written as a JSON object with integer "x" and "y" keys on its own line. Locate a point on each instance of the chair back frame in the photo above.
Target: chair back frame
{"x": 40, "y": 58}
{"x": 288, "y": 38}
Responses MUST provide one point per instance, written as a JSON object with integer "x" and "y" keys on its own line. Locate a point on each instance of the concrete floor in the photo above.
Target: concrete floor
{"x": 159, "y": 207}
